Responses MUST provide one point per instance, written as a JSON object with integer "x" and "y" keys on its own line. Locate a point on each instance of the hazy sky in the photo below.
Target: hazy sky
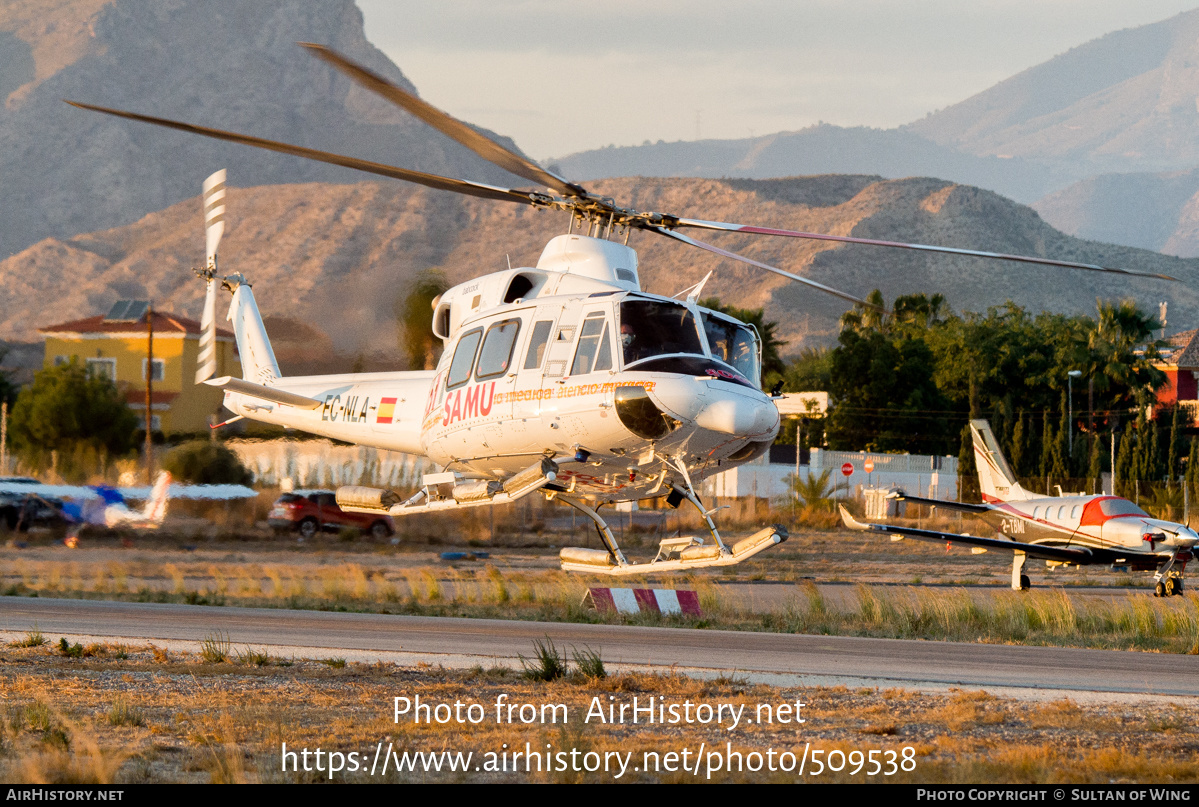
{"x": 561, "y": 77}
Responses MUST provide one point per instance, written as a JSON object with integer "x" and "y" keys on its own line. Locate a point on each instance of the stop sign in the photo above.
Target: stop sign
{"x": 869, "y": 466}
{"x": 847, "y": 469}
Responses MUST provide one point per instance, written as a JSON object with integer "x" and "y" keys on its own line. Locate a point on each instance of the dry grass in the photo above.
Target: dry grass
{"x": 70, "y": 720}
{"x": 355, "y": 583}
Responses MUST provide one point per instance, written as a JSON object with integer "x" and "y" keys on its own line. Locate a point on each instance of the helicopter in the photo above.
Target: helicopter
{"x": 564, "y": 379}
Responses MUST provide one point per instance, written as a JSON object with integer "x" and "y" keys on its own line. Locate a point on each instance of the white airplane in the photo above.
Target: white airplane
{"x": 91, "y": 506}
{"x": 564, "y": 377}
{"x": 27, "y": 502}
{"x": 1064, "y": 530}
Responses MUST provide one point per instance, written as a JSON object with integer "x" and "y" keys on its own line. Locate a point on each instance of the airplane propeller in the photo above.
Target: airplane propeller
{"x": 565, "y": 195}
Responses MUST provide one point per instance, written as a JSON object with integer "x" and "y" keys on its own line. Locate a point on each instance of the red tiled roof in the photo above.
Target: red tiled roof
{"x": 163, "y": 323}
{"x": 1182, "y": 350}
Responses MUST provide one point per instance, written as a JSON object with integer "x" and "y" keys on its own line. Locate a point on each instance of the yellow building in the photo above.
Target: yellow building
{"x": 114, "y": 345}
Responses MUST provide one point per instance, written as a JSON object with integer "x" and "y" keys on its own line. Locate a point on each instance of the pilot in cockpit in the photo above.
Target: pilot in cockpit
{"x": 634, "y": 349}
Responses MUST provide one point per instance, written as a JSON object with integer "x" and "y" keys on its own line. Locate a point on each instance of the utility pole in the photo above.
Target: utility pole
{"x": 3, "y": 437}
{"x": 149, "y": 393}
{"x": 1070, "y": 376}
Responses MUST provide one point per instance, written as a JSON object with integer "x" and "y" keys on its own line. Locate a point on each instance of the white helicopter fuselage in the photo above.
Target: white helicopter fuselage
{"x": 533, "y": 367}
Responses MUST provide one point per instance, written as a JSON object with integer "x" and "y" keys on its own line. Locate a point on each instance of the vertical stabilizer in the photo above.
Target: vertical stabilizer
{"x": 995, "y": 477}
{"x": 258, "y": 362}
{"x": 156, "y": 506}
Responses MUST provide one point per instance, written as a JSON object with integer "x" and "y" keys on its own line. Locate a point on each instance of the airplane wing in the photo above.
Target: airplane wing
{"x": 49, "y": 491}
{"x": 81, "y": 492}
{"x": 1072, "y": 554}
{"x": 207, "y": 492}
{"x": 959, "y": 506}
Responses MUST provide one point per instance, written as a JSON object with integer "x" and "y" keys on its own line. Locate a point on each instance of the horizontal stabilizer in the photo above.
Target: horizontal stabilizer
{"x": 263, "y": 392}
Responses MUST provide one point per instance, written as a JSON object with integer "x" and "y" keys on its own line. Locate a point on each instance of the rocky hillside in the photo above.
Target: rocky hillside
{"x": 1124, "y": 102}
{"x": 223, "y": 63}
{"x": 336, "y": 257}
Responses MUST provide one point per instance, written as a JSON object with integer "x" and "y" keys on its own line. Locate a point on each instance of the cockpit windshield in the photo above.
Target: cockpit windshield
{"x": 732, "y": 343}
{"x": 656, "y": 328}
{"x": 1120, "y": 507}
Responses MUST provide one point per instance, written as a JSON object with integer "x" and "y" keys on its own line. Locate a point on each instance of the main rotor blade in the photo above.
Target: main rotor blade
{"x": 725, "y": 253}
{"x": 429, "y": 180}
{"x": 845, "y": 239}
{"x": 448, "y": 125}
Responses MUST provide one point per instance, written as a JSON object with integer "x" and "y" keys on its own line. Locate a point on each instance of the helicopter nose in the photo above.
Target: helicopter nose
{"x": 739, "y": 415}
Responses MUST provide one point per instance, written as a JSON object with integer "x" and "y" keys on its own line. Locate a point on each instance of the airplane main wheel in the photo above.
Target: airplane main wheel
{"x": 1025, "y": 583}
{"x": 1172, "y": 587}
{"x": 1159, "y": 590}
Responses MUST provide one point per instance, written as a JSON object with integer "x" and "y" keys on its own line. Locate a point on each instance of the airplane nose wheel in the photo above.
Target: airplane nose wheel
{"x": 1025, "y": 583}
{"x": 1168, "y": 587}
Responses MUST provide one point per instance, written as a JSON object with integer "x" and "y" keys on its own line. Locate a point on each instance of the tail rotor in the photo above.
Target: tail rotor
{"x": 214, "y": 228}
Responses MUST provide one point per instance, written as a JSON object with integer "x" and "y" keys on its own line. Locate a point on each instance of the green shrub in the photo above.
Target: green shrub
{"x": 206, "y": 463}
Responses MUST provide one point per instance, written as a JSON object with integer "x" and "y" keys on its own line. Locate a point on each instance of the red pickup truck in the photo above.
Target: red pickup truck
{"x": 311, "y": 511}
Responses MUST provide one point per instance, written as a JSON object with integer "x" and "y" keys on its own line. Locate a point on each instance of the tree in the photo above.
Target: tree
{"x": 8, "y": 390}
{"x": 414, "y": 312}
{"x": 203, "y": 462}
{"x": 73, "y": 412}
{"x": 885, "y": 396}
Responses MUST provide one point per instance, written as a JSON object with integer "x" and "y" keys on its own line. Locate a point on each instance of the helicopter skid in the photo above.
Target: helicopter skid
{"x": 694, "y": 556}
{"x": 445, "y": 491}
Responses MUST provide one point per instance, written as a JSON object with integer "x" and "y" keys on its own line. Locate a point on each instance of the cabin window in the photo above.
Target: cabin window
{"x": 1061, "y": 512}
{"x": 496, "y": 356}
{"x": 464, "y": 359}
{"x": 518, "y": 289}
{"x": 537, "y": 343}
{"x": 656, "y": 328}
{"x": 1036, "y": 513}
{"x": 594, "y": 351}
{"x": 733, "y": 344}
{"x": 1074, "y": 511}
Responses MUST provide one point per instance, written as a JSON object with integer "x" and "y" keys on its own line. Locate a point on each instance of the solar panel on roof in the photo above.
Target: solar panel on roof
{"x": 127, "y": 311}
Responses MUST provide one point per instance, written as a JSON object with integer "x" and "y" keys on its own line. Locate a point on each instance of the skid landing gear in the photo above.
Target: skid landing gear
{"x": 673, "y": 553}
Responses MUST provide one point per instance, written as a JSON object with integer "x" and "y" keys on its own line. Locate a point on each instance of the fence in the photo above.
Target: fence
{"x": 323, "y": 463}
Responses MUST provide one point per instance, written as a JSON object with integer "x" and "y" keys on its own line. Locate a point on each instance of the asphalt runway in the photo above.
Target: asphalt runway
{"x": 766, "y": 657}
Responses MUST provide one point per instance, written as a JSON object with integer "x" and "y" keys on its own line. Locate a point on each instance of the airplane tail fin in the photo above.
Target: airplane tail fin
{"x": 156, "y": 506}
{"x": 995, "y": 477}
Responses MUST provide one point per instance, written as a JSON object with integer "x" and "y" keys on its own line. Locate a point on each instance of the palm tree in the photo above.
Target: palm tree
{"x": 814, "y": 491}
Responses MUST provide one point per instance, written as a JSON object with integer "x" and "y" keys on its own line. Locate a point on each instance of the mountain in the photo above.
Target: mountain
{"x": 1102, "y": 139}
{"x": 1153, "y": 211}
{"x": 228, "y": 64}
{"x": 817, "y": 149}
{"x": 335, "y": 258}
{"x": 1125, "y": 102}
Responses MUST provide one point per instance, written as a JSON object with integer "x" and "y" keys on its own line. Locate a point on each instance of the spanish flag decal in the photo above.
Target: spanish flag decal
{"x": 387, "y": 408}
